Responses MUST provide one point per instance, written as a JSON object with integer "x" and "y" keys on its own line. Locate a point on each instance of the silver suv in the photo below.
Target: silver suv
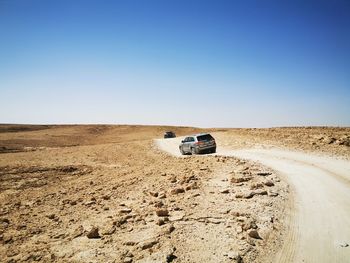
{"x": 198, "y": 143}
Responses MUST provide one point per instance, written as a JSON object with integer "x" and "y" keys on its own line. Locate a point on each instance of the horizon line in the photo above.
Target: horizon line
{"x": 168, "y": 125}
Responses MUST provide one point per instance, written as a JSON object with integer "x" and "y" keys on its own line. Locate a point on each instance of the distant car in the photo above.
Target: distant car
{"x": 169, "y": 134}
{"x": 198, "y": 143}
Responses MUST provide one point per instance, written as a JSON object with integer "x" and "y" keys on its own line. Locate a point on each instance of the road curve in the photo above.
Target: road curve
{"x": 319, "y": 219}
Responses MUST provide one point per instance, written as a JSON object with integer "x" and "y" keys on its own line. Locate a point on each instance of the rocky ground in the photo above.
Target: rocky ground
{"x": 107, "y": 194}
{"x": 325, "y": 140}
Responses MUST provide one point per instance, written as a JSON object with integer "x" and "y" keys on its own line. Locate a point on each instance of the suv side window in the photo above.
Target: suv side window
{"x": 186, "y": 139}
{"x": 191, "y": 139}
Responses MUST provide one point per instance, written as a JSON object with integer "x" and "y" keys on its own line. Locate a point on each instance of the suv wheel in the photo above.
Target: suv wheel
{"x": 193, "y": 150}
{"x": 182, "y": 151}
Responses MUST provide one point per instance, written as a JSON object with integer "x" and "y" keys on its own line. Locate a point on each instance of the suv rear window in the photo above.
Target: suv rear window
{"x": 206, "y": 137}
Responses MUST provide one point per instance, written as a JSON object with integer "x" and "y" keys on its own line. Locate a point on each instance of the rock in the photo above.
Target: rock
{"x": 147, "y": 244}
{"x": 129, "y": 243}
{"x": 235, "y": 213}
{"x": 170, "y": 257}
{"x": 239, "y": 195}
{"x": 173, "y": 179}
{"x": 256, "y": 186}
{"x": 158, "y": 204}
{"x": 93, "y": 233}
{"x": 215, "y": 221}
{"x": 126, "y": 217}
{"x": 329, "y": 140}
{"x": 177, "y": 190}
{"x": 33, "y": 256}
{"x": 162, "y": 195}
{"x": 59, "y": 236}
{"x": 120, "y": 221}
{"x": 318, "y": 137}
{"x": 235, "y": 256}
{"x": 127, "y": 260}
{"x": 271, "y": 193}
{"x": 237, "y": 180}
{"x": 254, "y": 234}
{"x": 191, "y": 186}
{"x": 345, "y": 140}
{"x": 106, "y": 197}
{"x": 7, "y": 238}
{"x": 225, "y": 211}
{"x": 88, "y": 203}
{"x": 191, "y": 178}
{"x": 225, "y": 191}
{"x": 109, "y": 231}
{"x": 125, "y": 210}
{"x": 154, "y": 194}
{"x": 269, "y": 183}
{"x": 128, "y": 253}
{"x": 264, "y": 173}
{"x": 21, "y": 227}
{"x": 249, "y": 195}
{"x": 35, "y": 230}
{"x": 239, "y": 229}
{"x": 73, "y": 202}
{"x": 260, "y": 192}
{"x": 12, "y": 252}
{"x": 169, "y": 229}
{"x": 177, "y": 216}
{"x": 5, "y": 221}
{"x": 176, "y": 208}
{"x": 5, "y": 224}
{"x": 51, "y": 216}
{"x": 162, "y": 212}
{"x": 79, "y": 231}
{"x": 249, "y": 223}
{"x": 160, "y": 222}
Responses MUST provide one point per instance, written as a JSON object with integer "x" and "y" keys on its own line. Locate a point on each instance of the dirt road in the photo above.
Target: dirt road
{"x": 319, "y": 214}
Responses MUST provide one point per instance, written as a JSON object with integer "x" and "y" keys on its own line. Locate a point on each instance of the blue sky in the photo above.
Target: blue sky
{"x": 198, "y": 63}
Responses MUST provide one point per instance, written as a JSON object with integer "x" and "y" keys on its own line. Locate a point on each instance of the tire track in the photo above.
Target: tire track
{"x": 320, "y": 227}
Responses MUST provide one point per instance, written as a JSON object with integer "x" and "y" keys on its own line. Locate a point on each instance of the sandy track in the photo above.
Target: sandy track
{"x": 170, "y": 146}
{"x": 319, "y": 219}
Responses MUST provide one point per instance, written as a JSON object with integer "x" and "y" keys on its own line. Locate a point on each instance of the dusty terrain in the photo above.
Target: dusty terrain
{"x": 110, "y": 194}
{"x": 320, "y": 140}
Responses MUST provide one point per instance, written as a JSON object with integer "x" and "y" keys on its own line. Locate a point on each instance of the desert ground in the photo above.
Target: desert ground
{"x": 121, "y": 193}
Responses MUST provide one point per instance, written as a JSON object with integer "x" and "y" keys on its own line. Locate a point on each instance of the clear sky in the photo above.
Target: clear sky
{"x": 178, "y": 62}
